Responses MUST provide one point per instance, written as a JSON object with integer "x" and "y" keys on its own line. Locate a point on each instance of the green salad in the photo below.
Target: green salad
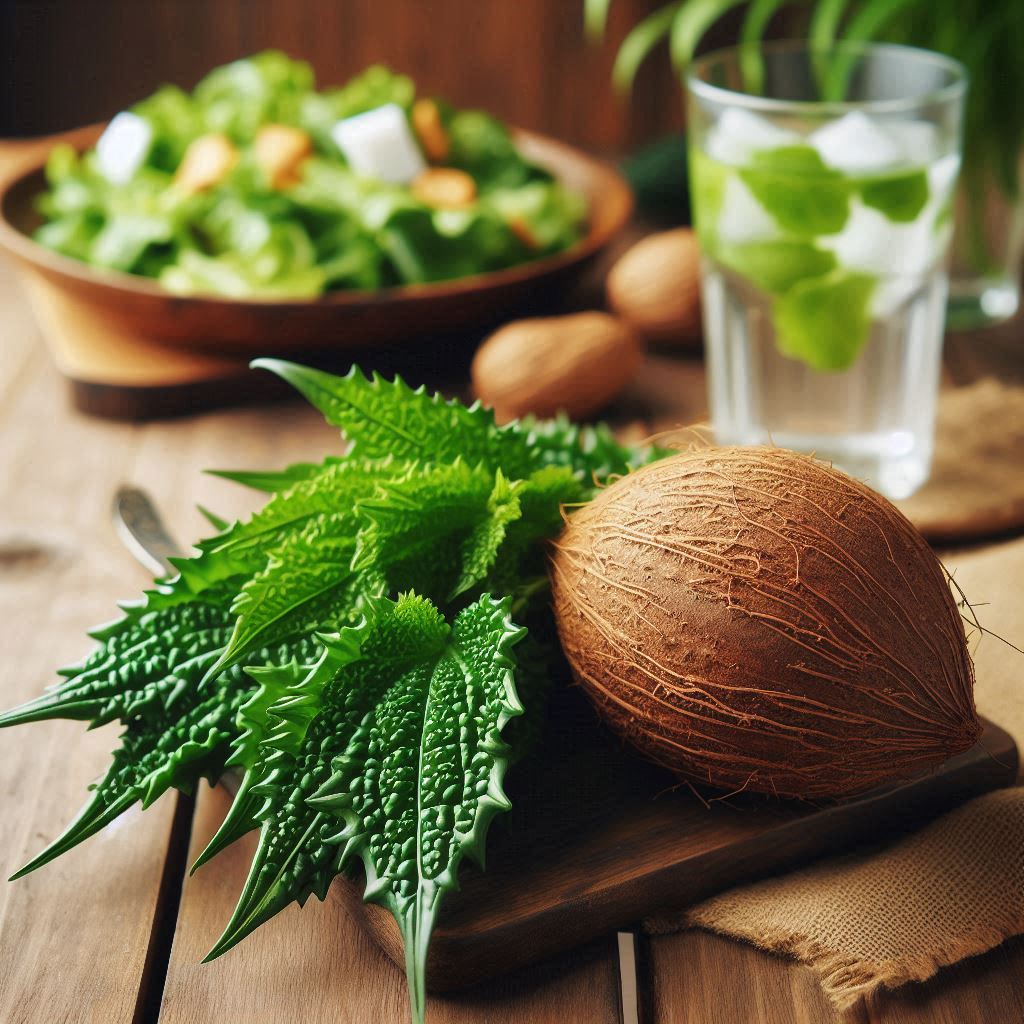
{"x": 258, "y": 185}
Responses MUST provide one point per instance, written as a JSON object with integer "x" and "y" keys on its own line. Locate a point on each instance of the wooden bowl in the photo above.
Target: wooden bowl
{"x": 138, "y": 306}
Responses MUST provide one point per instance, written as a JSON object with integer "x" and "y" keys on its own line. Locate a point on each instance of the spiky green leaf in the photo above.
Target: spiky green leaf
{"x": 395, "y": 726}
{"x": 437, "y": 532}
{"x": 388, "y": 418}
{"x": 269, "y": 481}
{"x": 142, "y": 668}
{"x": 411, "y": 711}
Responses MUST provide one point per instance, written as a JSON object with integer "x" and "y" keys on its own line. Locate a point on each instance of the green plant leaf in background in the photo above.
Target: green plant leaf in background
{"x": 691, "y": 22}
{"x": 755, "y": 24}
{"x": 865, "y": 24}
{"x": 595, "y": 17}
{"x": 640, "y": 42}
{"x": 825, "y": 21}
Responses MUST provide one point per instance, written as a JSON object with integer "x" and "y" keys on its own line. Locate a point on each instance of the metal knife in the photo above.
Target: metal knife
{"x": 143, "y": 532}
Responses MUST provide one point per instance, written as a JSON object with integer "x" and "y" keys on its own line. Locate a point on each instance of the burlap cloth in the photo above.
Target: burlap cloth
{"x": 976, "y": 486}
{"x": 952, "y": 890}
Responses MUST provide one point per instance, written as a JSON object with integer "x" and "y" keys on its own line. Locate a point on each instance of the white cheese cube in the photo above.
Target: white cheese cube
{"x": 123, "y": 147}
{"x": 380, "y": 144}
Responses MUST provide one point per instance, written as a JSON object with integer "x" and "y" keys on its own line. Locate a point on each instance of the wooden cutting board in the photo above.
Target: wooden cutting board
{"x": 597, "y": 840}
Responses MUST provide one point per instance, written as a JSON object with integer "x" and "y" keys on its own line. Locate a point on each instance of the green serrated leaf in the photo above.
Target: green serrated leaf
{"x": 412, "y": 711}
{"x": 589, "y": 451}
{"x": 327, "y": 493}
{"x": 521, "y": 559}
{"x": 393, "y": 725}
{"x": 220, "y": 525}
{"x": 307, "y": 585}
{"x": 388, "y": 419}
{"x": 306, "y": 539}
{"x": 271, "y": 482}
{"x": 273, "y": 682}
{"x": 154, "y": 756}
{"x": 141, "y": 668}
{"x": 436, "y": 532}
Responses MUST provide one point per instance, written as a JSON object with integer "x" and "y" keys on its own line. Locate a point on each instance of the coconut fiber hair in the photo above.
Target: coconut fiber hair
{"x": 753, "y": 619}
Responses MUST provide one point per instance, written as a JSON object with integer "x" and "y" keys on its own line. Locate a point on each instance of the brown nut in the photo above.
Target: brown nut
{"x": 207, "y": 162}
{"x": 426, "y": 123}
{"x": 656, "y": 287}
{"x": 576, "y": 364}
{"x": 280, "y": 151}
{"x": 444, "y": 188}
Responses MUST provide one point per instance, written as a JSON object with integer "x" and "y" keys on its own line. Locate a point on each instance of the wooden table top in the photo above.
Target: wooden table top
{"x": 113, "y": 932}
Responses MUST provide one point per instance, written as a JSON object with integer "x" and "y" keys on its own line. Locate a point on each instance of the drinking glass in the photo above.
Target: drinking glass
{"x": 823, "y": 185}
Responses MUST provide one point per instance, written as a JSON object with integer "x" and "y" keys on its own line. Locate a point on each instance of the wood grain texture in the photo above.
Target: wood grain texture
{"x": 74, "y": 936}
{"x": 318, "y": 966}
{"x": 527, "y": 60}
{"x": 700, "y": 978}
{"x": 985, "y": 989}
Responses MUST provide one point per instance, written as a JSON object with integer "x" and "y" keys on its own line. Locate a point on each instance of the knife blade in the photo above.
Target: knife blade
{"x": 143, "y": 532}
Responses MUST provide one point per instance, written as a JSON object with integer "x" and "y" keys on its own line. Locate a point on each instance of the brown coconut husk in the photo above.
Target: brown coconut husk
{"x": 752, "y": 619}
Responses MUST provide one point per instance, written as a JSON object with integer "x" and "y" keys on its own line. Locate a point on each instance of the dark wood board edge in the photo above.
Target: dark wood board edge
{"x": 464, "y": 958}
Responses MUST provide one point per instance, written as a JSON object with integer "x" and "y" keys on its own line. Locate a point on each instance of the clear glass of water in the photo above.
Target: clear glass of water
{"x": 822, "y": 186}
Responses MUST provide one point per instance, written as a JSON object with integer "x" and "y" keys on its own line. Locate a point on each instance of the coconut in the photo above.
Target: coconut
{"x": 755, "y": 620}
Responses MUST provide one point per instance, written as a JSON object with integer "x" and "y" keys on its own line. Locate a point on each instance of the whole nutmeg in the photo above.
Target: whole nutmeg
{"x": 656, "y": 287}
{"x": 574, "y": 364}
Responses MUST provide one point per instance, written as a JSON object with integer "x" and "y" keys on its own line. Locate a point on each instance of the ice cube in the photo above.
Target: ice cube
{"x": 854, "y": 143}
{"x": 865, "y": 240}
{"x": 379, "y": 144}
{"x": 123, "y": 147}
{"x": 743, "y": 218}
{"x": 737, "y": 134}
{"x": 872, "y": 242}
{"x": 942, "y": 177}
{"x": 918, "y": 140}
{"x": 900, "y": 255}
